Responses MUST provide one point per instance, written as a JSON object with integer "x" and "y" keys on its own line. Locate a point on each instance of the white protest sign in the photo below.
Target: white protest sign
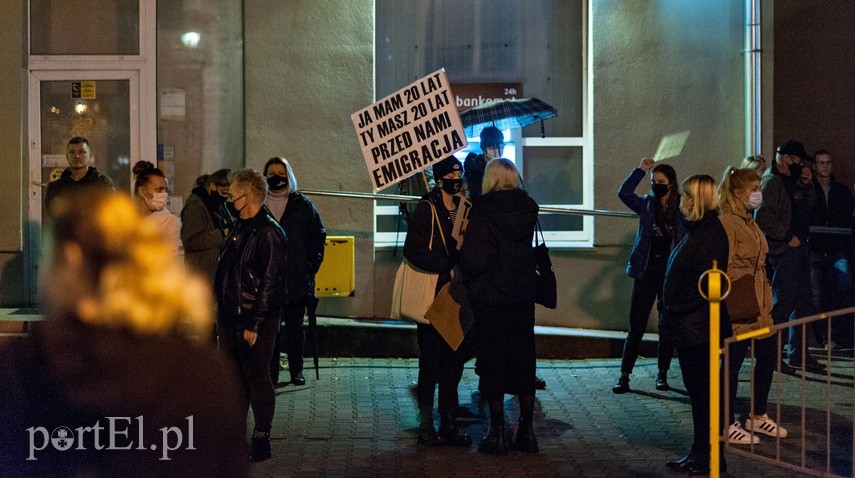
{"x": 461, "y": 221}
{"x": 671, "y": 145}
{"x": 409, "y": 130}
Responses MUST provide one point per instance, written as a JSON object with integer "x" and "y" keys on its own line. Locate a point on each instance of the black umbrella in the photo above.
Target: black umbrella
{"x": 506, "y": 115}
{"x": 312, "y": 312}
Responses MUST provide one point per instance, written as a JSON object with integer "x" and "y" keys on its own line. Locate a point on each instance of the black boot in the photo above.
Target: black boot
{"x": 495, "y": 443}
{"x": 427, "y": 433}
{"x": 523, "y": 438}
{"x": 449, "y": 433}
{"x": 259, "y": 446}
{"x": 622, "y": 385}
{"x": 662, "y": 381}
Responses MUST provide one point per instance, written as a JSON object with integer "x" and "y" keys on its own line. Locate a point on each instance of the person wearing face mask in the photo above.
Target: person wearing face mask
{"x": 151, "y": 191}
{"x": 685, "y": 321}
{"x": 781, "y": 218}
{"x": 305, "y": 252}
{"x": 660, "y": 227}
{"x": 492, "y": 144}
{"x": 203, "y": 222}
{"x": 739, "y": 196}
{"x": 430, "y": 247}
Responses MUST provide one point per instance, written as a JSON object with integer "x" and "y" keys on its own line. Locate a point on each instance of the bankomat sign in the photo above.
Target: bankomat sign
{"x": 470, "y": 95}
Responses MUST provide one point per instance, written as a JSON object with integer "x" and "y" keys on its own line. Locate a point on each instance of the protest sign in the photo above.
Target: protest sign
{"x": 409, "y": 130}
{"x": 671, "y": 145}
{"x": 461, "y": 221}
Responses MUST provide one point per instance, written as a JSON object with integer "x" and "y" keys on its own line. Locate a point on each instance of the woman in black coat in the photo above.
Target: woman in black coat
{"x": 686, "y": 319}
{"x": 430, "y": 247}
{"x": 498, "y": 266}
{"x": 306, "y": 236}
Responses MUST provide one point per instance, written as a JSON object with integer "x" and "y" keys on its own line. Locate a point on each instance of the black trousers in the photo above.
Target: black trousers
{"x": 789, "y": 274}
{"x": 253, "y": 369}
{"x": 291, "y": 340}
{"x": 695, "y": 365}
{"x": 644, "y": 292}
{"x": 765, "y": 353}
{"x": 439, "y": 365}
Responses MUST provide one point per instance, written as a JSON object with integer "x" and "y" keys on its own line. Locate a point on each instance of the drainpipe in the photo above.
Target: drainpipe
{"x": 753, "y": 123}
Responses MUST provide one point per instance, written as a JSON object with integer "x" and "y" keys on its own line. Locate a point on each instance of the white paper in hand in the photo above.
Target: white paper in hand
{"x": 671, "y": 145}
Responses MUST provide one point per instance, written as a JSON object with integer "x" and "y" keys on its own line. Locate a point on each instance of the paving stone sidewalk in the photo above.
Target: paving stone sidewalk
{"x": 359, "y": 420}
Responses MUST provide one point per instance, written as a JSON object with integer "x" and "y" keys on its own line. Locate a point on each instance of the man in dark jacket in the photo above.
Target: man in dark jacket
{"x": 78, "y": 174}
{"x": 831, "y": 279}
{"x": 492, "y": 144}
{"x": 787, "y": 262}
{"x": 251, "y": 289}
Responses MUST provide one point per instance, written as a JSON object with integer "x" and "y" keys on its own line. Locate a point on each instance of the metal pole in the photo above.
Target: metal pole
{"x": 714, "y": 296}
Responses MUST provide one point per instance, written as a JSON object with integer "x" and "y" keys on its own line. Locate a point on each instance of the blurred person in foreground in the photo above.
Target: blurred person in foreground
{"x": 250, "y": 286}
{"x": 151, "y": 189}
{"x": 118, "y": 366}
{"x": 686, "y": 318}
{"x": 306, "y": 236}
{"x": 739, "y": 196}
{"x": 498, "y": 265}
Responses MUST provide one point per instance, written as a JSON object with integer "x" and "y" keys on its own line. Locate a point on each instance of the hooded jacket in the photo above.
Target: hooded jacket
{"x": 497, "y": 259}
{"x": 200, "y": 235}
{"x": 65, "y": 184}
{"x": 250, "y": 283}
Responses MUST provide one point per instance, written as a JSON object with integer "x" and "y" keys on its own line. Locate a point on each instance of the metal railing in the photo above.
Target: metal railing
{"x": 814, "y": 394}
{"x": 398, "y": 197}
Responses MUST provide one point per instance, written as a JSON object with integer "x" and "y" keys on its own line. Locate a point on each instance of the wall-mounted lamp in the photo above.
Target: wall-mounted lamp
{"x": 191, "y": 39}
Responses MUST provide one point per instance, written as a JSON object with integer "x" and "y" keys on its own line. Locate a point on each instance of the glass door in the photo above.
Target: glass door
{"x": 100, "y": 106}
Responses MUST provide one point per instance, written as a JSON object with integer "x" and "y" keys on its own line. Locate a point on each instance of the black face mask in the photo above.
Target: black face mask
{"x": 451, "y": 186}
{"x": 277, "y": 182}
{"x": 660, "y": 190}
{"x": 217, "y": 198}
{"x": 795, "y": 170}
{"x": 230, "y": 206}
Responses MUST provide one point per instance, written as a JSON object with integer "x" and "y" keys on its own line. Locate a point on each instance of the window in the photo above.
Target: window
{"x": 540, "y": 46}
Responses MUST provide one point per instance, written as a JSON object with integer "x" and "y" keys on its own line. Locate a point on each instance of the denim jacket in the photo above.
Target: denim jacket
{"x": 646, "y": 207}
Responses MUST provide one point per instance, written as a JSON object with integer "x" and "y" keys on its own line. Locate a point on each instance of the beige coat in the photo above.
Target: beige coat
{"x": 747, "y": 249}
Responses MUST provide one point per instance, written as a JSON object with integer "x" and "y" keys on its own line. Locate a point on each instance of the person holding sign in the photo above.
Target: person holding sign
{"x": 660, "y": 227}
{"x": 431, "y": 247}
{"x": 498, "y": 264}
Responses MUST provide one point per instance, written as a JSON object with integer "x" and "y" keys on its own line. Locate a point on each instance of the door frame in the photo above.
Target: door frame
{"x": 35, "y": 186}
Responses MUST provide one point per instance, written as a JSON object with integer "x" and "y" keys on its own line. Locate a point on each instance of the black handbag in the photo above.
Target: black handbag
{"x": 547, "y": 286}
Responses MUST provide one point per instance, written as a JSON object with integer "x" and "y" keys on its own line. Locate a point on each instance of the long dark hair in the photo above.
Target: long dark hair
{"x": 669, "y": 212}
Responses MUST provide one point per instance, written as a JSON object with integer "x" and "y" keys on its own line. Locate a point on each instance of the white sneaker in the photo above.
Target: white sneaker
{"x": 765, "y": 425}
{"x": 738, "y": 436}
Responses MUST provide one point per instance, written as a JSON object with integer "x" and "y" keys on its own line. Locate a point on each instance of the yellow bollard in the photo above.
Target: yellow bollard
{"x": 714, "y": 296}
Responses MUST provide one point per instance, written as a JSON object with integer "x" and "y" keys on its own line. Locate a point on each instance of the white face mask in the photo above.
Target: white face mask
{"x": 755, "y": 199}
{"x": 157, "y": 201}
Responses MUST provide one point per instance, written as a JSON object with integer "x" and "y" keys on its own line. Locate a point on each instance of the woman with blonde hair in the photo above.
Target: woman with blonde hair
{"x": 739, "y": 195}
{"x": 754, "y": 163}
{"x": 498, "y": 265}
{"x": 686, "y": 320}
{"x": 123, "y": 336}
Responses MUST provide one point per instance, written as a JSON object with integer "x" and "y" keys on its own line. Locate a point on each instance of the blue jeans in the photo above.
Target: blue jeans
{"x": 831, "y": 283}
{"x": 791, "y": 293}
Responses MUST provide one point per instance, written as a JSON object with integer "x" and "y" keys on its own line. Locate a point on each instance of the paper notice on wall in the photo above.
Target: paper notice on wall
{"x": 409, "y": 130}
{"x": 54, "y": 161}
{"x": 671, "y": 145}
{"x": 172, "y": 105}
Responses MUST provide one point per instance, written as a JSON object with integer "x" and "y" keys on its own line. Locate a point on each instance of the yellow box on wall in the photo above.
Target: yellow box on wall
{"x": 337, "y": 275}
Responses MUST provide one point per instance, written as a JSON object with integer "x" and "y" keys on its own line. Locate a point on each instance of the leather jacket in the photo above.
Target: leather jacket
{"x": 250, "y": 283}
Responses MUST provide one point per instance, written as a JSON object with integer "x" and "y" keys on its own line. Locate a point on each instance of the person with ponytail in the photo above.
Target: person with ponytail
{"x": 124, "y": 342}
{"x": 739, "y": 196}
{"x": 151, "y": 190}
{"x": 660, "y": 227}
{"x": 306, "y": 237}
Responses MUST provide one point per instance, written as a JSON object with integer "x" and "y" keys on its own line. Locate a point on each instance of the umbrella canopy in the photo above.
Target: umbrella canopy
{"x": 506, "y": 115}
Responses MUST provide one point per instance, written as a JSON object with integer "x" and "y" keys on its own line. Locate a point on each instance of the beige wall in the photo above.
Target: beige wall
{"x": 13, "y": 188}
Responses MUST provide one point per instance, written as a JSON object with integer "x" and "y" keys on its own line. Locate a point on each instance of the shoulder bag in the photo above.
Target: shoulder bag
{"x": 547, "y": 286}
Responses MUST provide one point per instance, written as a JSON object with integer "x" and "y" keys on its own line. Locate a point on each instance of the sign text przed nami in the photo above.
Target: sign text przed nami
{"x": 409, "y": 130}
